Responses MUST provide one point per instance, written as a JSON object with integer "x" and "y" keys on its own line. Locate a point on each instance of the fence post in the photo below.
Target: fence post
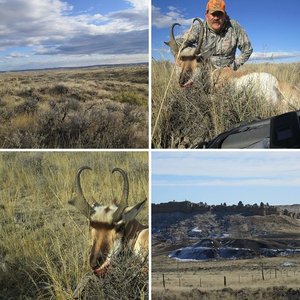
{"x": 164, "y": 284}
{"x": 224, "y": 280}
{"x": 262, "y": 272}
{"x": 275, "y": 273}
{"x": 200, "y": 282}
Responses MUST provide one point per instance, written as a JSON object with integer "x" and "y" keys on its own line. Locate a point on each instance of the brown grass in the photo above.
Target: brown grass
{"x": 44, "y": 242}
{"x": 99, "y": 107}
{"x": 206, "y": 278}
{"x": 191, "y": 116}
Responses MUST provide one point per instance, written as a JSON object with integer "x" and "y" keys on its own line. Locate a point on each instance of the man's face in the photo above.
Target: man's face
{"x": 215, "y": 20}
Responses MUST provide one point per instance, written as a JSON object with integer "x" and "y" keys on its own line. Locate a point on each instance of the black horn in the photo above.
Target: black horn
{"x": 79, "y": 201}
{"x": 201, "y": 34}
{"x": 125, "y": 192}
{"x": 172, "y": 43}
{"x": 124, "y": 201}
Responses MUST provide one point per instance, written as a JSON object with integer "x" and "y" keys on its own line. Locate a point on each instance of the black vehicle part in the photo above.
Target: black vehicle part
{"x": 282, "y": 131}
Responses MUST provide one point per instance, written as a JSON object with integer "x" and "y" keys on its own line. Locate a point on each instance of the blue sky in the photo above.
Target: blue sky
{"x": 220, "y": 176}
{"x": 58, "y": 33}
{"x": 272, "y": 26}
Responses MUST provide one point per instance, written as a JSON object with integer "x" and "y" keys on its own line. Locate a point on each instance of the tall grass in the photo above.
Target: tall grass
{"x": 194, "y": 115}
{"x": 44, "y": 242}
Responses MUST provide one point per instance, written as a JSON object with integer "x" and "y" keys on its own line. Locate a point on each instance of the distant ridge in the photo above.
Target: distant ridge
{"x": 79, "y": 67}
{"x": 261, "y": 209}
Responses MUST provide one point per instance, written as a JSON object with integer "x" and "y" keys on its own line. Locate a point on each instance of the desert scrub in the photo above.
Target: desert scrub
{"x": 79, "y": 108}
{"x": 129, "y": 97}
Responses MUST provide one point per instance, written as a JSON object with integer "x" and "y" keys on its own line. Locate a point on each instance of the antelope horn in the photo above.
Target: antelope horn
{"x": 79, "y": 201}
{"x": 125, "y": 185}
{"x": 124, "y": 201}
{"x": 201, "y": 33}
{"x": 172, "y": 43}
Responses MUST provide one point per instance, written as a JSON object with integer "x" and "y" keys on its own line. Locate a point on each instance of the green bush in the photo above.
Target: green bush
{"x": 130, "y": 97}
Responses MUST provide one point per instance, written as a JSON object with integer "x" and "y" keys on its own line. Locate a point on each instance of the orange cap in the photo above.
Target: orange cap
{"x": 215, "y": 5}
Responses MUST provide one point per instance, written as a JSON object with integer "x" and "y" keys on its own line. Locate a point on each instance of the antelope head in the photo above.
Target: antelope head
{"x": 187, "y": 60}
{"x": 107, "y": 222}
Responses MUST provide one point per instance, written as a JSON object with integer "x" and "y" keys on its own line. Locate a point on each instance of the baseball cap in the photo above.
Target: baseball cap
{"x": 215, "y": 5}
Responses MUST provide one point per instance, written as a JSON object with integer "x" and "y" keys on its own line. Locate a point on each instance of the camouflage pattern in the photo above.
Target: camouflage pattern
{"x": 221, "y": 47}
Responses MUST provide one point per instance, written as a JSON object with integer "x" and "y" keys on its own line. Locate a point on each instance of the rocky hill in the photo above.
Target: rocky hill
{"x": 177, "y": 224}
{"x": 222, "y": 209}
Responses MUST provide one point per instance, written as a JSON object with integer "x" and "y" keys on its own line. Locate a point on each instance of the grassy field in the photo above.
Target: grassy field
{"x": 44, "y": 241}
{"x": 172, "y": 279}
{"x": 183, "y": 118}
{"x": 97, "y": 107}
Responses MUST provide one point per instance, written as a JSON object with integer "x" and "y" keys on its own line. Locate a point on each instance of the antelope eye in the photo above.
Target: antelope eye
{"x": 119, "y": 228}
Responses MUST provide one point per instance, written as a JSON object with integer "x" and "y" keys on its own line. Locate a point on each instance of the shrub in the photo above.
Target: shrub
{"x": 130, "y": 98}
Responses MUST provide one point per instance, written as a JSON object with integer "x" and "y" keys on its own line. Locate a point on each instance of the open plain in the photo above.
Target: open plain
{"x": 93, "y": 107}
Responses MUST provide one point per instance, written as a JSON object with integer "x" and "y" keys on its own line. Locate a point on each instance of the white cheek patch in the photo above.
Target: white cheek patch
{"x": 116, "y": 248}
{"x": 103, "y": 214}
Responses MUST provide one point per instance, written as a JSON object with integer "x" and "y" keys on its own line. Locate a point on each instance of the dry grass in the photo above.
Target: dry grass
{"x": 99, "y": 107}
{"x": 205, "y": 279}
{"x": 44, "y": 242}
{"x": 191, "y": 116}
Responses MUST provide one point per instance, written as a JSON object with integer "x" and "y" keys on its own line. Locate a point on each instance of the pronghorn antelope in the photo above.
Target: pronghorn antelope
{"x": 192, "y": 64}
{"x": 188, "y": 61}
{"x": 114, "y": 228}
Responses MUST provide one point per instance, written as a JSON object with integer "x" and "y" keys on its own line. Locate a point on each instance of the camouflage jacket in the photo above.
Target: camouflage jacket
{"x": 221, "y": 47}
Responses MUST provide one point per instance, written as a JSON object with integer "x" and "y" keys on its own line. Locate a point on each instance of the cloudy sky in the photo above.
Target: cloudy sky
{"x": 56, "y": 33}
{"x": 220, "y": 176}
{"x": 271, "y": 25}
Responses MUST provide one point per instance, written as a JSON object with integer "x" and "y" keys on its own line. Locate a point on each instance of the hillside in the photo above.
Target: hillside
{"x": 225, "y": 252}
{"x": 175, "y": 229}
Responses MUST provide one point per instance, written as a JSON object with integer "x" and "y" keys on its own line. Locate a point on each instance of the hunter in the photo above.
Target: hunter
{"x": 222, "y": 37}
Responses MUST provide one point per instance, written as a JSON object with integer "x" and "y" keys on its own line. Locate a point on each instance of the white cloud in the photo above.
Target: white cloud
{"x": 139, "y": 4}
{"x": 173, "y": 15}
{"x": 60, "y": 60}
{"x": 227, "y": 168}
{"x": 274, "y": 55}
{"x": 49, "y": 27}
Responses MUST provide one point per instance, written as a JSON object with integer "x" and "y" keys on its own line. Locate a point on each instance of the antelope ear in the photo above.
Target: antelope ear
{"x": 131, "y": 212}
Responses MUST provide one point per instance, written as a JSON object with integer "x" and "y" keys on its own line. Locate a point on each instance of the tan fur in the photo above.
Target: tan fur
{"x": 102, "y": 242}
{"x": 141, "y": 244}
{"x": 109, "y": 239}
{"x": 266, "y": 84}
{"x": 137, "y": 238}
{"x": 290, "y": 94}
